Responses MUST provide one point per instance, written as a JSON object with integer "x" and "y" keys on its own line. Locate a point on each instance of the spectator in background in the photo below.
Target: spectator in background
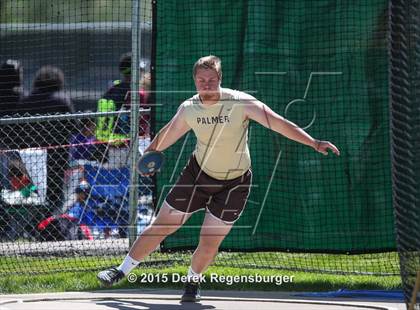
{"x": 145, "y": 86}
{"x": 47, "y": 97}
{"x": 82, "y": 147}
{"x": 144, "y": 122}
{"x": 116, "y": 129}
{"x": 79, "y": 209}
{"x": 83, "y": 150}
{"x": 11, "y": 73}
{"x": 10, "y": 87}
{"x": 10, "y": 95}
{"x": 146, "y": 183}
{"x": 111, "y": 127}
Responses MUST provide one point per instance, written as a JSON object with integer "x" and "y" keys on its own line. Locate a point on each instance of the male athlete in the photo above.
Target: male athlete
{"x": 217, "y": 177}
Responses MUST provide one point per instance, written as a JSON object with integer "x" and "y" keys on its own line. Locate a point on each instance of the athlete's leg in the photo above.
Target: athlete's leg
{"x": 225, "y": 208}
{"x": 213, "y": 231}
{"x": 167, "y": 222}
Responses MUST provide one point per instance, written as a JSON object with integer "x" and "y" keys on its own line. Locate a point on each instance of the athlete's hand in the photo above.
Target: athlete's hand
{"x": 324, "y": 146}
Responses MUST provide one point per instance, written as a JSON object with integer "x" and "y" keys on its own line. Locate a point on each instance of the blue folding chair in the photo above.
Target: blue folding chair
{"x": 108, "y": 198}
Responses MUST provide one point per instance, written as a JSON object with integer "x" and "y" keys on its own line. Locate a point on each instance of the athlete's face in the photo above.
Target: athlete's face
{"x": 207, "y": 83}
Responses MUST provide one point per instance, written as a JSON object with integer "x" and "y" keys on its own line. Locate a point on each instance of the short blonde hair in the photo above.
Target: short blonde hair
{"x": 208, "y": 62}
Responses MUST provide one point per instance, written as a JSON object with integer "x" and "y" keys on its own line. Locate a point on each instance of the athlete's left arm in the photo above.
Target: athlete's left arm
{"x": 261, "y": 113}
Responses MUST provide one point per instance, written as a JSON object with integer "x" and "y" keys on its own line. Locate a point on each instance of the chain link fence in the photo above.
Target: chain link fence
{"x": 66, "y": 187}
{"x": 66, "y": 181}
{"x": 59, "y": 182}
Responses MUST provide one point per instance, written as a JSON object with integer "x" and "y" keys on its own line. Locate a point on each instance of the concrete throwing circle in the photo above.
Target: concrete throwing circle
{"x": 138, "y": 299}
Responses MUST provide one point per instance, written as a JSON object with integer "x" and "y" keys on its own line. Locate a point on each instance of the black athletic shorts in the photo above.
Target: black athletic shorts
{"x": 195, "y": 190}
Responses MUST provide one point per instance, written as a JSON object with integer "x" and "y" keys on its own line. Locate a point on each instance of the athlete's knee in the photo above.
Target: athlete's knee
{"x": 161, "y": 229}
{"x": 209, "y": 249}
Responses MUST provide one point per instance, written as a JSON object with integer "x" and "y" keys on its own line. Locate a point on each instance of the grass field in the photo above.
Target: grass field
{"x": 31, "y": 277}
{"x": 379, "y": 264}
{"x": 82, "y": 281}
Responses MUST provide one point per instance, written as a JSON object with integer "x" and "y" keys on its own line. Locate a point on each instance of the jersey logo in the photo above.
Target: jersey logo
{"x": 213, "y": 120}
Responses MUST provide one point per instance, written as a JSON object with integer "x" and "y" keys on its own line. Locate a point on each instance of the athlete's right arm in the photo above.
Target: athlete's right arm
{"x": 170, "y": 133}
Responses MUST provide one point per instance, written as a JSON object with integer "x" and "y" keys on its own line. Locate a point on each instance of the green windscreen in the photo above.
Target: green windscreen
{"x": 405, "y": 140}
{"x": 321, "y": 64}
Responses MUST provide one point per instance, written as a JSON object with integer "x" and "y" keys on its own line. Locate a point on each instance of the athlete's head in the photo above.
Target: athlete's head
{"x": 207, "y": 73}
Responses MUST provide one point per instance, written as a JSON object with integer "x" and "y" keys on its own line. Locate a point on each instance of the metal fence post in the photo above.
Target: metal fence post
{"x": 134, "y": 119}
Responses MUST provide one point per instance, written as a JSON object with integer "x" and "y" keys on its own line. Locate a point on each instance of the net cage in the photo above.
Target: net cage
{"x": 66, "y": 167}
{"x": 404, "y": 81}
